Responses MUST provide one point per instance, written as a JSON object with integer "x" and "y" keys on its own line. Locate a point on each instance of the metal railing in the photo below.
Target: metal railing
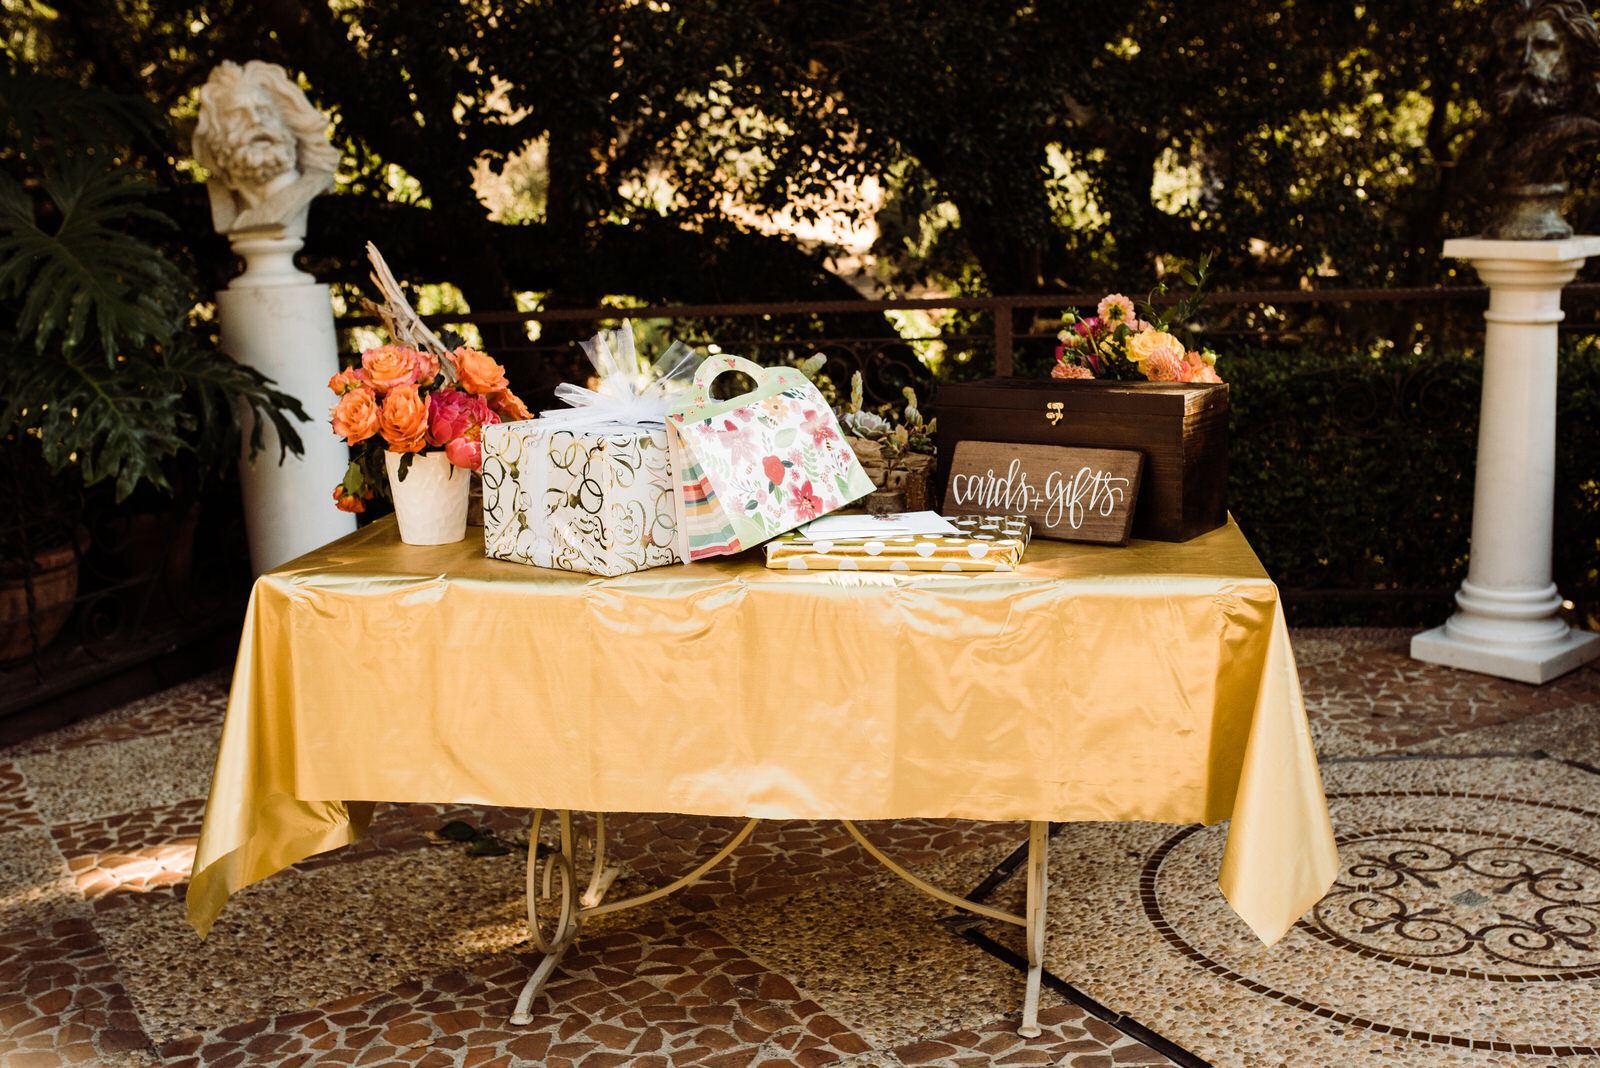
{"x": 1000, "y": 342}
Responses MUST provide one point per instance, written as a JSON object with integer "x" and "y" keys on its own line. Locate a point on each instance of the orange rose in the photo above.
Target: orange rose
{"x": 346, "y": 380}
{"x": 477, "y": 372}
{"x": 390, "y": 366}
{"x": 355, "y": 417}
{"x": 345, "y": 501}
{"x": 508, "y": 406}
{"x": 403, "y": 421}
{"x": 1150, "y": 343}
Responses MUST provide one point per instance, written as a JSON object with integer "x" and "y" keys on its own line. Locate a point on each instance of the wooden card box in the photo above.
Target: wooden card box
{"x": 1181, "y": 429}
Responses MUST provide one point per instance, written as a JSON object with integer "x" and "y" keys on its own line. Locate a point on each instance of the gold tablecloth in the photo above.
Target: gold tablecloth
{"x": 1151, "y": 682}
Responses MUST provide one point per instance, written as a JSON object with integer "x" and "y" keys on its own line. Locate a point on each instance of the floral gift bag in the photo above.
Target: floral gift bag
{"x": 752, "y": 467}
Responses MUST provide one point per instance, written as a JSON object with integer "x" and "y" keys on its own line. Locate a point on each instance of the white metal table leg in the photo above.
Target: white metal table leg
{"x": 556, "y": 878}
{"x": 1032, "y": 921}
{"x": 1038, "y": 890}
{"x": 569, "y": 920}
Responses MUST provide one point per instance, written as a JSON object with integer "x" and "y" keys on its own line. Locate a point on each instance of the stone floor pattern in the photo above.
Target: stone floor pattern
{"x": 1464, "y": 927}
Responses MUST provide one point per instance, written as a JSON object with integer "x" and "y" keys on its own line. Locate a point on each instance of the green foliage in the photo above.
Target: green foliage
{"x": 1059, "y": 145}
{"x": 1356, "y": 473}
{"x": 85, "y": 282}
{"x": 100, "y": 366}
{"x": 120, "y": 424}
{"x": 1172, "y": 316}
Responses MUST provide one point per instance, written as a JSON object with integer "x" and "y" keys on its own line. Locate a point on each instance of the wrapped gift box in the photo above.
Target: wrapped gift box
{"x": 597, "y": 500}
{"x": 986, "y": 543}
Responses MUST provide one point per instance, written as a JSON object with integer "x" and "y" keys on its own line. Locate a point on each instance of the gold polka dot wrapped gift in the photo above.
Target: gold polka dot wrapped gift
{"x": 984, "y": 543}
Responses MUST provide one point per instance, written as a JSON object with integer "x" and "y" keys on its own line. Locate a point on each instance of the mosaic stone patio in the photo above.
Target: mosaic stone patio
{"x": 1464, "y": 928}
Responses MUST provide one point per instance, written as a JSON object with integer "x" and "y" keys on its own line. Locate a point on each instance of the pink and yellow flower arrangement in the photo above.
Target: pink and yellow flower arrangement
{"x": 1117, "y": 343}
{"x": 405, "y": 401}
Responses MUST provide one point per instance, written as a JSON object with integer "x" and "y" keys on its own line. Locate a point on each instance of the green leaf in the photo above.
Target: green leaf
{"x": 118, "y": 424}
{"x": 214, "y": 386}
{"x": 87, "y": 279}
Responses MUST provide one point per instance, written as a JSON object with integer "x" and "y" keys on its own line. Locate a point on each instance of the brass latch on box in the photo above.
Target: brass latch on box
{"x": 1052, "y": 412}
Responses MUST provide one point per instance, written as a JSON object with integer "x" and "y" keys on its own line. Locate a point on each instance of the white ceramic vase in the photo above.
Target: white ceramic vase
{"x": 430, "y": 504}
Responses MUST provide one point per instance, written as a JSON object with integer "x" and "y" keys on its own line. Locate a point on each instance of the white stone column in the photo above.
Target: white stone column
{"x": 1507, "y": 621}
{"x": 277, "y": 319}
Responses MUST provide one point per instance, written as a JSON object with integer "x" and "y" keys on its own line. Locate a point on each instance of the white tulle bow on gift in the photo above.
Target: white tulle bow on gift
{"x": 628, "y": 394}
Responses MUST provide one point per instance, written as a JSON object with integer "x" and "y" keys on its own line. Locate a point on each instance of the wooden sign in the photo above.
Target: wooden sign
{"x": 1068, "y": 494}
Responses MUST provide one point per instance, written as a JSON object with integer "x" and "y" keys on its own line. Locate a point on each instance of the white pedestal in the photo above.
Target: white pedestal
{"x": 276, "y": 319}
{"x": 1507, "y": 621}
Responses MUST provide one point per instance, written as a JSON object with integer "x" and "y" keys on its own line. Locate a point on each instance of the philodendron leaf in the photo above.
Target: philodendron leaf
{"x": 112, "y": 424}
{"x": 88, "y": 279}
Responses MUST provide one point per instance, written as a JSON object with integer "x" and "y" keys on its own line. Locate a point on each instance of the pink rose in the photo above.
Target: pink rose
{"x": 427, "y": 367}
{"x": 465, "y": 452}
{"x": 1197, "y": 367}
{"x": 453, "y": 414}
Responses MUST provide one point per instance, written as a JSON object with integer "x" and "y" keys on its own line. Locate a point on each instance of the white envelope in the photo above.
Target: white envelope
{"x": 888, "y": 525}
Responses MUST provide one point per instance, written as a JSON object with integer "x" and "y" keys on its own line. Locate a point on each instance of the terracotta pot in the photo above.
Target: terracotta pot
{"x": 55, "y": 584}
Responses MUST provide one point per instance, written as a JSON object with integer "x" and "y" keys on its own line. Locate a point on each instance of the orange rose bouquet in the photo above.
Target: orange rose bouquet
{"x": 413, "y": 398}
{"x": 406, "y": 401}
{"x": 1116, "y": 342}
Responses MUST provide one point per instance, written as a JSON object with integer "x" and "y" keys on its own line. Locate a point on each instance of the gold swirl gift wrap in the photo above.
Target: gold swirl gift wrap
{"x": 591, "y": 500}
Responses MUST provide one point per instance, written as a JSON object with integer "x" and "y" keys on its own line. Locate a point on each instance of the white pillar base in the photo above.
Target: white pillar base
{"x": 1508, "y": 621}
{"x": 1536, "y": 664}
{"x": 278, "y": 320}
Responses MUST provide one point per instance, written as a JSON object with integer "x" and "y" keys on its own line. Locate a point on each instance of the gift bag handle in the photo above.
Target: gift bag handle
{"x": 716, "y": 365}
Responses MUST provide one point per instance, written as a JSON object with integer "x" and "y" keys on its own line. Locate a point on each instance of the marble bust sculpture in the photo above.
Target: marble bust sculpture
{"x": 1546, "y": 59}
{"x": 266, "y": 148}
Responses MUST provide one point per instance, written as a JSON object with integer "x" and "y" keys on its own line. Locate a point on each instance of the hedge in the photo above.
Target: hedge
{"x": 1352, "y": 475}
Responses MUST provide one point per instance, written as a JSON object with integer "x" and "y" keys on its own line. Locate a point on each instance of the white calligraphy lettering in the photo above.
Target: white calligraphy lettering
{"x": 989, "y": 491}
{"x": 1093, "y": 492}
